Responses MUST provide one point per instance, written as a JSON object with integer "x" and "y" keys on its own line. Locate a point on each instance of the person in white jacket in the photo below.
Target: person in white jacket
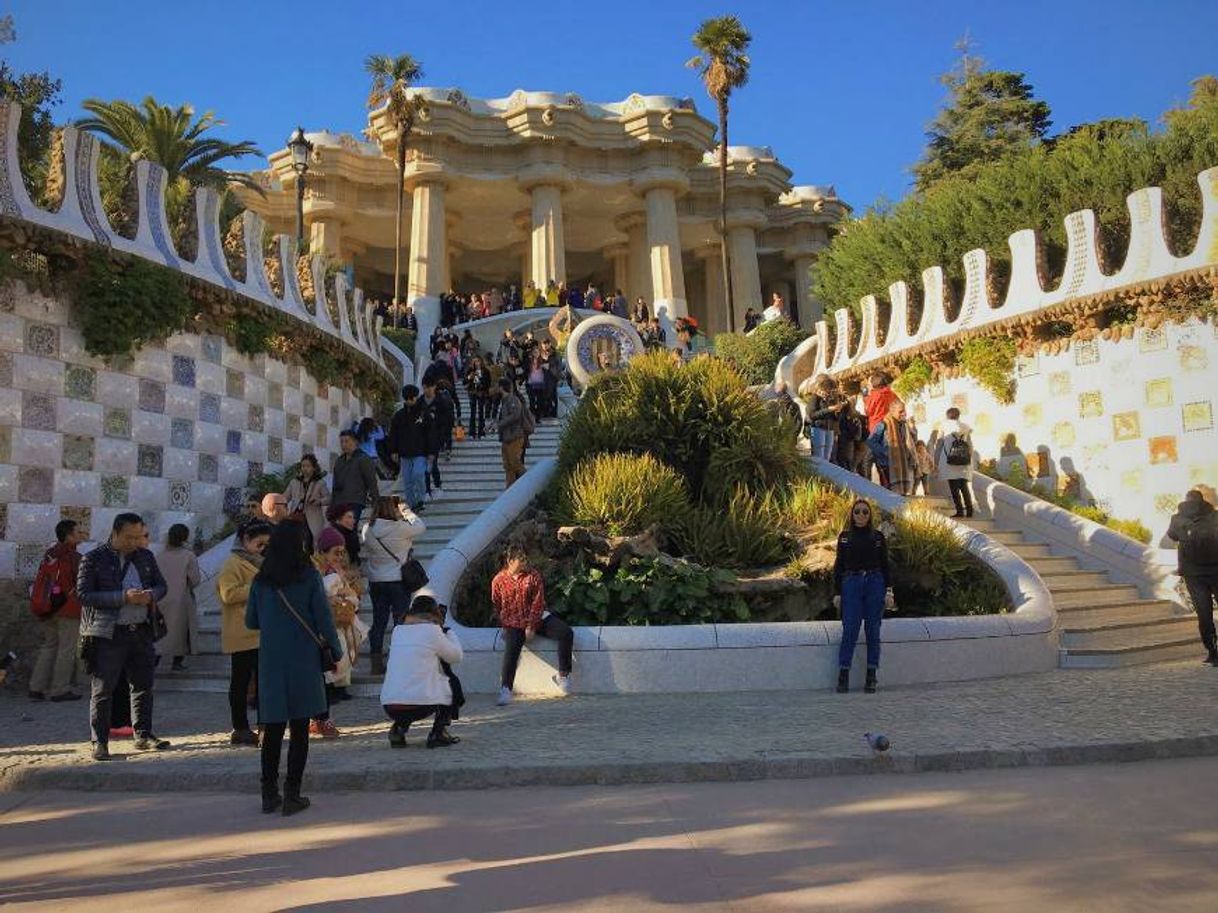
{"x": 953, "y": 451}
{"x": 385, "y": 544}
{"x": 416, "y": 684}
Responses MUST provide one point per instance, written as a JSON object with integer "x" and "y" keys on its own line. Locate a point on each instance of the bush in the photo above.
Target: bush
{"x": 914, "y": 378}
{"x": 123, "y": 307}
{"x": 934, "y": 575}
{"x": 746, "y": 532}
{"x": 757, "y": 355}
{"x": 817, "y": 505}
{"x": 990, "y": 360}
{"x": 622, "y": 494}
{"x": 403, "y": 339}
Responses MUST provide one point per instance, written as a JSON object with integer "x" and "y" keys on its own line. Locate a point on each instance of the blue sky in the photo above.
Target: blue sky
{"x": 841, "y": 91}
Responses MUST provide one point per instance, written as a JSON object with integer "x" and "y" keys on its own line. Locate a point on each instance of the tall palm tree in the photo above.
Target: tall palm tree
{"x": 723, "y": 65}
{"x": 392, "y": 77}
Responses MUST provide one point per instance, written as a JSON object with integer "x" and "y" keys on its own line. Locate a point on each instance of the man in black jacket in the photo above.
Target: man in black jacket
{"x": 408, "y": 441}
{"x": 1195, "y": 527}
{"x": 118, "y": 584}
{"x": 353, "y": 480}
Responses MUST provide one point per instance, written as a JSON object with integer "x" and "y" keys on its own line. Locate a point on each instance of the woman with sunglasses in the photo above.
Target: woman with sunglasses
{"x": 862, "y": 583}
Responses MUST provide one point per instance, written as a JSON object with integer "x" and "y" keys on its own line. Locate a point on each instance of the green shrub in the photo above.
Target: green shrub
{"x": 818, "y": 505}
{"x": 934, "y": 575}
{"x": 990, "y": 360}
{"x": 1017, "y": 477}
{"x": 757, "y": 355}
{"x": 622, "y": 494}
{"x": 1134, "y": 529}
{"x": 745, "y": 532}
{"x": 914, "y": 378}
{"x": 403, "y": 339}
{"x": 122, "y": 307}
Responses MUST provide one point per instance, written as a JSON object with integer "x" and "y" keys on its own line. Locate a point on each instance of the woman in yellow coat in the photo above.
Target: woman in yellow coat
{"x": 238, "y": 641}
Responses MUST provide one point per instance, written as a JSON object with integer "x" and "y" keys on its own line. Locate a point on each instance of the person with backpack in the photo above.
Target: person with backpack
{"x": 516, "y": 423}
{"x": 53, "y": 602}
{"x": 1195, "y": 527}
{"x": 954, "y": 461}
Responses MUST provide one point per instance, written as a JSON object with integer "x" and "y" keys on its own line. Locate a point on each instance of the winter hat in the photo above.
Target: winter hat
{"x": 335, "y": 512}
{"x": 329, "y": 538}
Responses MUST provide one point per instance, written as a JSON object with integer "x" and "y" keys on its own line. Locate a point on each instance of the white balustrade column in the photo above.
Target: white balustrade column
{"x": 548, "y": 244}
{"x": 428, "y": 261}
{"x": 667, "y": 273}
{"x": 746, "y": 276}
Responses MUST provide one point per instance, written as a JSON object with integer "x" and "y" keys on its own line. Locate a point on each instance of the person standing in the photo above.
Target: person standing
{"x": 954, "y": 461}
{"x": 1195, "y": 527}
{"x": 239, "y": 642}
{"x": 418, "y": 682}
{"x": 118, "y": 583}
{"x": 181, "y": 570}
{"x": 344, "y": 589}
{"x": 519, "y": 596}
{"x": 309, "y": 496}
{"x": 52, "y": 676}
{"x": 478, "y": 383}
{"x": 354, "y": 476}
{"x": 863, "y": 588}
{"x": 894, "y": 448}
{"x": 289, "y": 609}
{"x": 825, "y": 408}
{"x": 511, "y": 426}
{"x": 386, "y": 541}
{"x": 408, "y": 441}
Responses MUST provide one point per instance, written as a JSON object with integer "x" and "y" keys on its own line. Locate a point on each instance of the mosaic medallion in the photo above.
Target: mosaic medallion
{"x": 1064, "y": 435}
{"x": 151, "y": 460}
{"x": 323, "y": 438}
{"x": 79, "y": 382}
{"x": 114, "y": 491}
{"x": 960, "y": 401}
{"x": 334, "y": 413}
{"x": 6, "y": 446}
{"x": 1059, "y": 383}
{"x": 1126, "y": 426}
{"x": 183, "y": 371}
{"x": 182, "y": 434}
{"x": 209, "y": 408}
{"x": 1152, "y": 340}
{"x": 152, "y": 396}
{"x": 1197, "y": 416}
{"x": 82, "y": 516}
{"x": 1158, "y": 393}
{"x": 179, "y": 496}
{"x": 1132, "y": 480}
{"x": 1033, "y": 414}
{"x": 116, "y": 423}
{"x": 1167, "y": 503}
{"x": 8, "y": 298}
{"x": 78, "y": 452}
{"x": 274, "y": 395}
{"x": 308, "y": 405}
{"x": 29, "y": 556}
{"x": 42, "y": 339}
{"x": 293, "y": 376}
{"x": 213, "y": 348}
{"x": 209, "y": 468}
{"x": 35, "y": 485}
{"x": 1027, "y": 365}
{"x": 234, "y": 502}
{"x": 37, "y": 411}
{"x": 232, "y": 442}
{"x": 1193, "y": 358}
{"x": 292, "y": 430}
{"x": 1087, "y": 352}
{"x": 3, "y": 520}
{"x": 6, "y": 369}
{"x": 1163, "y": 450}
{"x": 257, "y": 418}
{"x": 253, "y": 472}
{"x": 1090, "y": 404}
{"x": 234, "y": 383}
{"x": 274, "y": 449}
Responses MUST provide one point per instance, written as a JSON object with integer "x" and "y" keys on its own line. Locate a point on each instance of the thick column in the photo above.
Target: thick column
{"x": 714, "y": 295}
{"x": 549, "y": 253}
{"x": 810, "y": 310}
{"x": 618, "y": 256}
{"x": 667, "y": 273}
{"x": 326, "y": 238}
{"x": 428, "y": 260}
{"x": 638, "y": 268}
{"x": 746, "y": 276}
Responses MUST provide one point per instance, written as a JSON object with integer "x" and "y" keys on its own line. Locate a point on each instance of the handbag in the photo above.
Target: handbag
{"x": 156, "y": 618}
{"x": 326, "y": 652}
{"x": 414, "y": 575}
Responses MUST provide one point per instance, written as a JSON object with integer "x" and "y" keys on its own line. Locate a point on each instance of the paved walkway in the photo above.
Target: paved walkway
{"x": 1128, "y": 838}
{"x": 1062, "y": 717}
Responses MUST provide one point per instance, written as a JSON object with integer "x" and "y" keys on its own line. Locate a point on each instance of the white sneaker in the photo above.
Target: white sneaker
{"x": 563, "y": 682}
{"x": 505, "y": 697}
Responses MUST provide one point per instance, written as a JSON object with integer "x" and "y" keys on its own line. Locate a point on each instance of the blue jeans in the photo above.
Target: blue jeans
{"x": 389, "y": 598}
{"x": 822, "y": 442}
{"x": 862, "y": 605}
{"x": 413, "y": 470}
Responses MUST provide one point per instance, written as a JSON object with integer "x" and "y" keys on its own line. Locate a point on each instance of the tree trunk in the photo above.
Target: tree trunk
{"x": 727, "y": 274}
{"x": 397, "y": 233}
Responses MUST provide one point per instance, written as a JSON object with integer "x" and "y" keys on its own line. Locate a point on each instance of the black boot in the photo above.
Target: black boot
{"x": 271, "y": 800}
{"x": 869, "y": 684}
{"x": 378, "y": 664}
{"x": 1211, "y": 657}
{"x": 843, "y": 681}
{"x": 293, "y": 801}
{"x": 397, "y": 736}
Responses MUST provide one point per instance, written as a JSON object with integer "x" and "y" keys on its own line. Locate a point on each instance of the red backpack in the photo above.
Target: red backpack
{"x": 53, "y": 587}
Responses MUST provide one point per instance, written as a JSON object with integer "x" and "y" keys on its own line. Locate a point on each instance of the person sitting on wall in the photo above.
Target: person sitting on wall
{"x": 863, "y": 588}
{"x": 518, "y": 595}
{"x": 419, "y": 681}
{"x": 1195, "y": 527}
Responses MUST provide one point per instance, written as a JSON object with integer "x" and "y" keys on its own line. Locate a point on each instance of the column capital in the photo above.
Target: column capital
{"x": 660, "y": 179}
{"x": 630, "y": 220}
{"x": 544, "y": 174}
{"x": 426, "y": 173}
{"x": 613, "y": 251}
{"x": 708, "y": 251}
{"x": 803, "y": 252}
{"x": 746, "y": 218}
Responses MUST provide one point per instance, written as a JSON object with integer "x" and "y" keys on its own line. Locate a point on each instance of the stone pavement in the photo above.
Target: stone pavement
{"x": 1061, "y": 717}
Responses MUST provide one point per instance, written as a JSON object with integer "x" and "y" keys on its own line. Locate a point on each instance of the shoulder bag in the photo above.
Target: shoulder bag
{"x": 414, "y": 575}
{"x": 326, "y": 652}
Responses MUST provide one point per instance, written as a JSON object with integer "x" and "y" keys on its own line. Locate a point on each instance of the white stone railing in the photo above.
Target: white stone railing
{"x": 81, "y": 215}
{"x": 1148, "y": 258}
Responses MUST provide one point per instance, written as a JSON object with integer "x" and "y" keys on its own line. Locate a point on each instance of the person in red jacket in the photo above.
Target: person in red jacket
{"x": 519, "y": 596}
{"x": 57, "y": 656}
{"x": 879, "y": 397}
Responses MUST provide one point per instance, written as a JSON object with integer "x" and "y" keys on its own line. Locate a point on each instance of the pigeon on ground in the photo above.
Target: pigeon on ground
{"x": 878, "y": 742}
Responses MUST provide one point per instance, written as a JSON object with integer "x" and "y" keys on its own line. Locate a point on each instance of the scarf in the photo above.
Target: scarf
{"x": 902, "y": 466}
{"x": 246, "y": 555}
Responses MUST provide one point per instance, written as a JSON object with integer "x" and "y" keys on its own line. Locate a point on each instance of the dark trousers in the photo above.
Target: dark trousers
{"x": 432, "y": 475}
{"x": 962, "y": 496}
{"x": 477, "y": 416}
{"x": 298, "y": 754}
{"x": 1203, "y": 591}
{"x": 130, "y": 650}
{"x": 120, "y": 704}
{"x": 405, "y": 714}
{"x": 536, "y": 398}
{"x": 389, "y": 600}
{"x": 552, "y": 627}
{"x": 244, "y": 670}
{"x": 862, "y": 606}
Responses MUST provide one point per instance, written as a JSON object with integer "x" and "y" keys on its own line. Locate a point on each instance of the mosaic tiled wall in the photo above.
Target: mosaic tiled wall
{"x": 175, "y": 433}
{"x": 1132, "y": 419}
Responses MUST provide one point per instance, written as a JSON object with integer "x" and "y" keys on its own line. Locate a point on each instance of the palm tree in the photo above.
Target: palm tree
{"x": 392, "y": 77}
{"x": 723, "y": 65}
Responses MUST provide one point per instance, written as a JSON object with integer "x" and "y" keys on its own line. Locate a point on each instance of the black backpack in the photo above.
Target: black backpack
{"x": 1199, "y": 541}
{"x": 959, "y": 451}
{"x": 850, "y": 427}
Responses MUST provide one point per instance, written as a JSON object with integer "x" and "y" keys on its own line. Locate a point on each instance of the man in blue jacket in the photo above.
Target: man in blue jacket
{"x": 118, "y": 584}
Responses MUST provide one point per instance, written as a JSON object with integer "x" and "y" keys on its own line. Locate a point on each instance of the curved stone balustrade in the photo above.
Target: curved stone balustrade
{"x": 1148, "y": 258}
{"x": 489, "y": 330}
{"x": 81, "y": 215}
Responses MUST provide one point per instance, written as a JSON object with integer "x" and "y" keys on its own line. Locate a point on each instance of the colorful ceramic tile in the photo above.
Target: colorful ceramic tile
{"x": 1027, "y": 365}
{"x": 79, "y": 382}
{"x": 213, "y": 348}
{"x": 1152, "y": 340}
{"x": 274, "y": 449}
{"x": 183, "y": 371}
{"x": 116, "y": 423}
{"x": 1090, "y": 404}
{"x": 78, "y": 452}
{"x": 253, "y": 472}
{"x": 1167, "y": 502}
{"x": 232, "y": 443}
{"x": 152, "y": 395}
{"x": 308, "y": 405}
{"x": 37, "y": 411}
{"x": 293, "y": 376}
{"x": 6, "y": 369}
{"x": 1197, "y": 416}
{"x": 1039, "y": 465}
{"x": 83, "y": 517}
{"x": 1158, "y": 393}
{"x": 1193, "y": 358}
{"x": 1059, "y": 383}
{"x": 6, "y": 445}
{"x": 209, "y": 468}
{"x": 274, "y": 396}
{"x": 1163, "y": 450}
{"x": 1132, "y": 480}
{"x": 1063, "y": 434}
{"x": 234, "y": 502}
{"x": 114, "y": 491}
{"x": 257, "y": 418}
{"x": 983, "y": 423}
{"x": 323, "y": 437}
{"x": 1033, "y": 415}
{"x": 292, "y": 431}
{"x": 1086, "y": 352}
{"x": 334, "y": 411}
{"x": 234, "y": 383}
{"x": 179, "y": 496}
{"x": 151, "y": 460}
{"x": 182, "y": 434}
{"x": 42, "y": 339}
{"x": 29, "y": 556}
{"x": 1126, "y": 426}
{"x": 35, "y": 485}
{"x": 209, "y": 408}
{"x": 936, "y": 388}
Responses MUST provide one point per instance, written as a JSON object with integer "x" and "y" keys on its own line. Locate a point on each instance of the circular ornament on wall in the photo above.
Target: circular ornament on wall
{"x": 603, "y": 337}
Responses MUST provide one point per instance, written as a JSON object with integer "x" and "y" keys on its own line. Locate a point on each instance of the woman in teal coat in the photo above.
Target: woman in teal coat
{"x": 291, "y": 688}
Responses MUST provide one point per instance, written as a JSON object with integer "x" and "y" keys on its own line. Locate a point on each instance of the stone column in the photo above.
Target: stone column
{"x": 618, "y": 256}
{"x": 326, "y": 238}
{"x": 667, "y": 273}
{"x": 638, "y": 266}
{"x": 746, "y": 276}
{"x": 810, "y": 310}
{"x": 549, "y": 260}
{"x": 428, "y": 259}
{"x": 714, "y": 296}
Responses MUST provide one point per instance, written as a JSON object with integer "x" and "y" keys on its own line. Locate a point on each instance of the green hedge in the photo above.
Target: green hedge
{"x": 757, "y": 355}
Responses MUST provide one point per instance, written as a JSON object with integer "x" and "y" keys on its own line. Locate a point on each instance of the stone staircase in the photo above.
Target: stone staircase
{"x": 1103, "y": 624}
{"x": 472, "y": 477}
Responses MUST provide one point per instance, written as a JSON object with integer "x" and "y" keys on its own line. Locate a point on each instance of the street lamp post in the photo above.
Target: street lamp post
{"x": 300, "y": 148}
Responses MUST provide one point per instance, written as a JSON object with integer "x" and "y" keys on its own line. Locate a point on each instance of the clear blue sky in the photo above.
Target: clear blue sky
{"x": 841, "y": 91}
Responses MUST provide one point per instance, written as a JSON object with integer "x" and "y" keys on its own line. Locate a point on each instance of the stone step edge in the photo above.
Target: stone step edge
{"x": 142, "y": 777}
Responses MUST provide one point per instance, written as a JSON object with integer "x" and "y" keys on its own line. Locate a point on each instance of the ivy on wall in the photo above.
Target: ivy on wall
{"x": 991, "y": 362}
{"x": 123, "y": 306}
